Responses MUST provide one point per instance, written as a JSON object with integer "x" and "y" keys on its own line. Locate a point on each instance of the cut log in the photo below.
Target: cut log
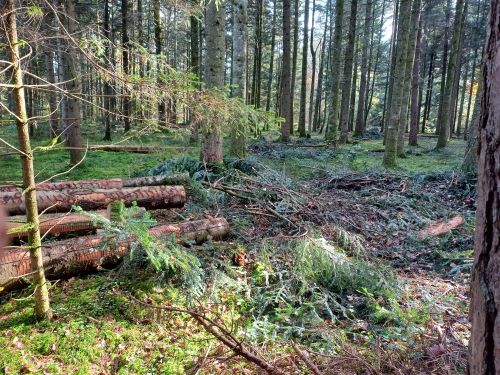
{"x": 61, "y": 256}
{"x": 113, "y": 183}
{"x": 57, "y": 224}
{"x": 441, "y": 227}
{"x": 153, "y": 197}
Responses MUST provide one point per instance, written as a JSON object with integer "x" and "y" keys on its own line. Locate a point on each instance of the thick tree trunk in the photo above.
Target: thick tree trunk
{"x": 410, "y": 56}
{"x": 485, "y": 278}
{"x": 303, "y": 83}
{"x": 71, "y": 75}
{"x": 313, "y": 72}
{"x": 360, "y": 127}
{"x": 211, "y": 150}
{"x": 34, "y": 265}
{"x": 334, "y": 91}
{"x": 286, "y": 79}
{"x": 347, "y": 75}
{"x": 394, "y": 119}
{"x": 240, "y": 19}
{"x": 71, "y": 255}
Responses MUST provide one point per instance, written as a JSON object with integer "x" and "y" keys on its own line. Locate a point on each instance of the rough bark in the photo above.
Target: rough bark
{"x": 71, "y": 75}
{"x": 62, "y": 201}
{"x": 72, "y": 255}
{"x": 211, "y": 149}
{"x": 240, "y": 19}
{"x": 347, "y": 75}
{"x": 360, "y": 127}
{"x": 394, "y": 119}
{"x": 485, "y": 278}
{"x": 428, "y": 92}
{"x": 410, "y": 55}
{"x": 125, "y": 64}
{"x": 286, "y": 79}
{"x": 34, "y": 264}
{"x": 415, "y": 90}
{"x": 271, "y": 61}
{"x": 294, "y": 62}
{"x": 303, "y": 82}
{"x": 444, "y": 118}
{"x": 334, "y": 92}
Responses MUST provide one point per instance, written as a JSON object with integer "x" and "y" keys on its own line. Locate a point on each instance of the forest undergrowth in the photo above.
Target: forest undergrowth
{"x": 328, "y": 259}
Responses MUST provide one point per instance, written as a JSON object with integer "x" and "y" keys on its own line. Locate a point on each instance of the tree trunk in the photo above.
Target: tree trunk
{"x": 410, "y": 55}
{"x": 428, "y": 92}
{"x": 485, "y": 278}
{"x": 271, "y": 61}
{"x": 347, "y": 75}
{"x": 286, "y": 79}
{"x": 162, "y": 109}
{"x": 319, "y": 88}
{"x": 444, "y": 118}
{"x": 240, "y": 18}
{"x": 211, "y": 150}
{"x": 334, "y": 92}
{"x": 303, "y": 83}
{"x": 390, "y": 73}
{"x": 126, "y": 65}
{"x": 313, "y": 71}
{"x": 462, "y": 102}
{"x": 294, "y": 63}
{"x": 416, "y": 90}
{"x": 360, "y": 127}
{"x": 35, "y": 267}
{"x": 394, "y": 120}
{"x": 71, "y": 75}
{"x": 107, "y": 85}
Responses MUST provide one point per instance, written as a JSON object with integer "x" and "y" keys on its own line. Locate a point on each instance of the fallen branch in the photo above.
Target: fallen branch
{"x": 217, "y": 330}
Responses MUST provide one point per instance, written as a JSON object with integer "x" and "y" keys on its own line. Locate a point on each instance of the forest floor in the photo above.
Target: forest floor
{"x": 327, "y": 251}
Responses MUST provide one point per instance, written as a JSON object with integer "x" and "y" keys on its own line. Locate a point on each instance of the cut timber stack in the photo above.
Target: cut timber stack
{"x": 77, "y": 254}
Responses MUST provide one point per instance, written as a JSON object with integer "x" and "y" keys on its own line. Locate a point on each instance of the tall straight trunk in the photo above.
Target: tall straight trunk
{"x": 271, "y": 61}
{"x": 257, "y": 63}
{"x": 286, "y": 79}
{"x": 428, "y": 92}
{"x": 462, "y": 102}
{"x": 319, "y": 88}
{"x": 484, "y": 343}
{"x": 194, "y": 59}
{"x": 352, "y": 101}
{"x": 390, "y": 73}
{"x": 398, "y": 86}
{"x": 303, "y": 83}
{"x": 162, "y": 109}
{"x": 347, "y": 75}
{"x": 410, "y": 57}
{"x": 415, "y": 89}
{"x": 313, "y": 71}
{"x": 444, "y": 119}
{"x": 126, "y": 65}
{"x": 211, "y": 150}
{"x": 360, "y": 116}
{"x": 444, "y": 63}
{"x": 42, "y": 304}
{"x": 469, "y": 102}
{"x": 71, "y": 75}
{"x": 48, "y": 53}
{"x": 294, "y": 62}
{"x": 240, "y": 18}
{"x": 107, "y": 85}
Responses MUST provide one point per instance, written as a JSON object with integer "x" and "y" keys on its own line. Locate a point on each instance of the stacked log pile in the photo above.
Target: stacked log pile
{"x": 57, "y": 198}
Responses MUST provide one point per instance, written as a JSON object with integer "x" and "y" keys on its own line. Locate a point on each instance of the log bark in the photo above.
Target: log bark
{"x": 153, "y": 197}
{"x": 56, "y": 224}
{"x": 113, "y": 183}
{"x": 73, "y": 255}
{"x": 484, "y": 343}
